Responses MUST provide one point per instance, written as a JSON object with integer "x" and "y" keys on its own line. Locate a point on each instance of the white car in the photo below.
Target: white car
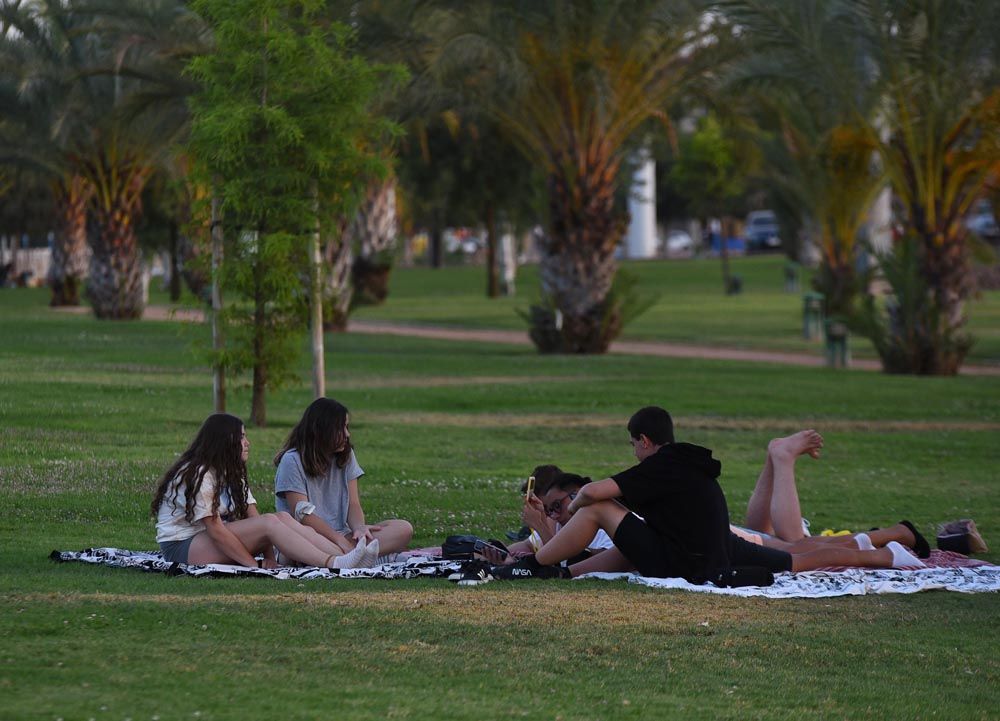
{"x": 982, "y": 222}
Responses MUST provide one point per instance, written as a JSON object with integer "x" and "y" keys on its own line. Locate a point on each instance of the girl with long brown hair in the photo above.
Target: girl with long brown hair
{"x": 317, "y": 482}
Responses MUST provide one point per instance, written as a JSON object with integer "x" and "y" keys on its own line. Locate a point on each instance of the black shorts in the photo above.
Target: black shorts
{"x": 744, "y": 553}
{"x": 649, "y": 552}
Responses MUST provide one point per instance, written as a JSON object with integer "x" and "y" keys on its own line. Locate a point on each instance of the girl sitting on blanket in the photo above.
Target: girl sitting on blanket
{"x": 317, "y": 483}
{"x": 205, "y": 512}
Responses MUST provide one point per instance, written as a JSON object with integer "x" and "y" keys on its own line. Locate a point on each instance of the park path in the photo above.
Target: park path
{"x": 659, "y": 349}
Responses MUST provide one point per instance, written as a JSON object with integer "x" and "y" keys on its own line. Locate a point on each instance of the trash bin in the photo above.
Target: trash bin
{"x": 838, "y": 352}
{"x": 812, "y": 316}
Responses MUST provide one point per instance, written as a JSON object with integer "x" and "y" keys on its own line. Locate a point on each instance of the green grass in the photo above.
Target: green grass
{"x": 92, "y": 412}
{"x": 690, "y": 306}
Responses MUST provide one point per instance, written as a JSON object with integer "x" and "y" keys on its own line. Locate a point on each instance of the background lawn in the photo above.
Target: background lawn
{"x": 690, "y": 305}
{"x": 92, "y": 412}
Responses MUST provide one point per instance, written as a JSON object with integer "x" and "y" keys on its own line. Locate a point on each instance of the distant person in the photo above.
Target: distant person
{"x": 316, "y": 482}
{"x": 205, "y": 512}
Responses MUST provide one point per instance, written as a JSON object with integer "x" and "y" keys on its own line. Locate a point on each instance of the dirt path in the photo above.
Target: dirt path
{"x": 520, "y": 338}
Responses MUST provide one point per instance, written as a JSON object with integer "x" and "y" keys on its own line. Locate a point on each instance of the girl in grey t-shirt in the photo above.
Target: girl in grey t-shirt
{"x": 317, "y": 482}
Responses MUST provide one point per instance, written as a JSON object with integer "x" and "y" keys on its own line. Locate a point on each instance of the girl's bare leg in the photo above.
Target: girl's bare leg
{"x": 786, "y": 514}
{"x": 394, "y": 536}
{"x": 759, "y": 506}
{"x": 255, "y": 533}
{"x": 892, "y": 556}
{"x": 321, "y": 542}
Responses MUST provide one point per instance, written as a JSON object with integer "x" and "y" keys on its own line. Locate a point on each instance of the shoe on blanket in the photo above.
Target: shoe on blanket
{"x": 529, "y": 567}
{"x": 473, "y": 573}
{"x": 920, "y": 544}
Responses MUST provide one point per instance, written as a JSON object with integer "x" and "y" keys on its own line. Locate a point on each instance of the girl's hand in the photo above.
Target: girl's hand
{"x": 364, "y": 532}
{"x": 269, "y": 563}
{"x": 533, "y": 514}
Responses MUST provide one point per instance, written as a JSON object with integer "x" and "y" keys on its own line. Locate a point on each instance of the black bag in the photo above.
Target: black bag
{"x": 466, "y": 547}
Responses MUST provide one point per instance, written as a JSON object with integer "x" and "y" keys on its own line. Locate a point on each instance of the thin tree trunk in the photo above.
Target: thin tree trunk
{"x": 316, "y": 305}
{"x": 725, "y": 227}
{"x": 175, "y": 264}
{"x": 218, "y": 342}
{"x": 492, "y": 274}
{"x": 258, "y": 403}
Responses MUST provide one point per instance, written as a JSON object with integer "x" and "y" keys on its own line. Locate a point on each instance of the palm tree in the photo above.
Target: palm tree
{"x": 39, "y": 57}
{"x": 84, "y": 66}
{"x": 582, "y": 78}
{"x": 920, "y": 78}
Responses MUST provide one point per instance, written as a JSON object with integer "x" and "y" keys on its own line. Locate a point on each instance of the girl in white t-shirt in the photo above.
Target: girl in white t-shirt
{"x": 205, "y": 512}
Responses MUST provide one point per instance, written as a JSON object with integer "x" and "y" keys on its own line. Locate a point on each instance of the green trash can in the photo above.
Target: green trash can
{"x": 838, "y": 351}
{"x": 812, "y": 316}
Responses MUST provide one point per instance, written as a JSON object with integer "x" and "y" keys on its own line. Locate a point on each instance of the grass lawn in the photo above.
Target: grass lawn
{"x": 92, "y": 412}
{"x": 690, "y": 306}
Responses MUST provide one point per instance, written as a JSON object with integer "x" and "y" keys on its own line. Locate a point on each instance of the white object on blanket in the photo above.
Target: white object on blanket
{"x": 849, "y": 582}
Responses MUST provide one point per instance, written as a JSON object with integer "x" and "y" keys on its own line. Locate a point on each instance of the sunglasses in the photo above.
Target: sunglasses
{"x": 556, "y": 507}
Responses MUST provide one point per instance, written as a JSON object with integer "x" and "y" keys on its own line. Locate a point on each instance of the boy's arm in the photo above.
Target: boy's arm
{"x": 593, "y": 492}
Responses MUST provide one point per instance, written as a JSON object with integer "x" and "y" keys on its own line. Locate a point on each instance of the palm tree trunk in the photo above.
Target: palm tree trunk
{"x": 115, "y": 285}
{"x": 70, "y": 253}
{"x": 338, "y": 288}
{"x": 578, "y": 266}
{"x": 375, "y": 227}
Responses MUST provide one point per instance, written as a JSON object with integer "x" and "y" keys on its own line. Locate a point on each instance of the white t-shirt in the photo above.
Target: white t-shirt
{"x": 171, "y": 525}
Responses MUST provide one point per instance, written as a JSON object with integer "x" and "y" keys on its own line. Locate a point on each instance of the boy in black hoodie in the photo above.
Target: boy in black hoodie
{"x": 667, "y": 515}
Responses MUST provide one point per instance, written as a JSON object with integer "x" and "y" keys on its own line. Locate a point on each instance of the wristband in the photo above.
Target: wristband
{"x": 303, "y": 509}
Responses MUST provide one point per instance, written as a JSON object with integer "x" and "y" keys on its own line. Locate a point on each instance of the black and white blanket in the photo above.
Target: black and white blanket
{"x": 952, "y": 572}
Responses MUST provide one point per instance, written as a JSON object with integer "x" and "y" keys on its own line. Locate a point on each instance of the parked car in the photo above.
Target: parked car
{"x": 982, "y": 222}
{"x": 762, "y": 231}
{"x": 678, "y": 243}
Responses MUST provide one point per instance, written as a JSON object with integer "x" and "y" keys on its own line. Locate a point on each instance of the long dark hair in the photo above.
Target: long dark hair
{"x": 317, "y": 436}
{"x": 216, "y": 448}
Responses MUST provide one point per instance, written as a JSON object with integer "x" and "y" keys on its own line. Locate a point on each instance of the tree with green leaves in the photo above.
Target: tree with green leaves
{"x": 280, "y": 130}
{"x": 712, "y": 173}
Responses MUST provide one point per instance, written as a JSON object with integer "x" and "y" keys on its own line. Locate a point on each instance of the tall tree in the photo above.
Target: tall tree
{"x": 583, "y": 77}
{"x": 281, "y": 126}
{"x": 922, "y": 89}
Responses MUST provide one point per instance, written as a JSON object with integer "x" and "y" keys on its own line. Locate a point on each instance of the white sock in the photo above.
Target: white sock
{"x": 353, "y": 558}
{"x": 902, "y": 558}
{"x": 864, "y": 542}
{"x": 370, "y": 557}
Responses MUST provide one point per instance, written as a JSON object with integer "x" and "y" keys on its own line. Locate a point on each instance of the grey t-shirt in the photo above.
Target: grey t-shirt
{"x": 328, "y": 493}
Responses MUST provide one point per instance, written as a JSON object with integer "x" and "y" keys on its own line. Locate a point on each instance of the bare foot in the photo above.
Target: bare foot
{"x": 807, "y": 442}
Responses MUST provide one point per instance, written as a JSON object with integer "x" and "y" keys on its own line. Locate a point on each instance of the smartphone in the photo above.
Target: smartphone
{"x": 480, "y": 544}
{"x": 530, "y": 489}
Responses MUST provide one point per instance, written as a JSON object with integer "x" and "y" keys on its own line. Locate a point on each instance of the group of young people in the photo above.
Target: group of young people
{"x": 666, "y": 516}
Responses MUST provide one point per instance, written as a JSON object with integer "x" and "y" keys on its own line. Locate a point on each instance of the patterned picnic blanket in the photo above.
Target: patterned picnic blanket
{"x": 946, "y": 572}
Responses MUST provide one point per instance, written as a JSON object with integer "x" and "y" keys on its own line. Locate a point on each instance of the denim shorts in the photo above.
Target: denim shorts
{"x": 176, "y": 551}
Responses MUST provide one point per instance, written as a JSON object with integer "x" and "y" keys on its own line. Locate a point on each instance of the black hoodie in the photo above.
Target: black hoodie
{"x": 677, "y": 492}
